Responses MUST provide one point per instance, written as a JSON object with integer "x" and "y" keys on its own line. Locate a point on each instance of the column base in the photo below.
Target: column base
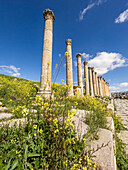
{"x": 45, "y": 94}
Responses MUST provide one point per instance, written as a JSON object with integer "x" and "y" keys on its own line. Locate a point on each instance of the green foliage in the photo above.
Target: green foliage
{"x": 17, "y": 88}
{"x": 121, "y": 157}
{"x": 44, "y": 141}
{"x": 118, "y": 124}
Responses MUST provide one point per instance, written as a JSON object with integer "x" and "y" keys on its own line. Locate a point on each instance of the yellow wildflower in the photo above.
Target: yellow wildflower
{"x": 66, "y": 53}
{"x": 49, "y": 63}
{"x": 34, "y": 127}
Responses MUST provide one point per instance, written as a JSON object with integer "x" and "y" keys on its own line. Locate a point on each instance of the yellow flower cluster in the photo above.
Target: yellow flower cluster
{"x": 24, "y": 112}
{"x": 38, "y": 100}
{"x": 34, "y": 126}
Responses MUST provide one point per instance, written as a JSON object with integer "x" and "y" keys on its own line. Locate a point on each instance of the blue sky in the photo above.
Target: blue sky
{"x": 98, "y": 29}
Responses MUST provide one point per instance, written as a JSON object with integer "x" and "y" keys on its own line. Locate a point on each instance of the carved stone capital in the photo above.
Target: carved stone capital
{"x": 85, "y": 62}
{"x": 92, "y": 68}
{"x": 48, "y": 14}
{"x": 78, "y": 55}
{"x": 68, "y": 42}
{"x": 89, "y": 68}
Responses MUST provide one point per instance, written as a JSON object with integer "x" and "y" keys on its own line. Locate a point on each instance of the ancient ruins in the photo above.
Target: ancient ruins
{"x": 95, "y": 86}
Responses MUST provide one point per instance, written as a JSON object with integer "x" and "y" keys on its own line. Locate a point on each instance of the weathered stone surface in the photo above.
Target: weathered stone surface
{"x": 122, "y": 112}
{"x": 0, "y": 103}
{"x": 5, "y": 115}
{"x": 124, "y": 137}
{"x": 3, "y": 108}
{"x": 45, "y": 81}
{"x": 69, "y": 76}
{"x": 110, "y": 106}
{"x": 105, "y": 155}
{"x": 110, "y": 124}
{"x": 11, "y": 123}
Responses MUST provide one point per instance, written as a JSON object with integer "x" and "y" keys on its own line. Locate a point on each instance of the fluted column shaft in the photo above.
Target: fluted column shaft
{"x": 90, "y": 82}
{"x": 97, "y": 91}
{"x": 79, "y": 73}
{"x": 99, "y": 86}
{"x": 94, "y": 81}
{"x": 86, "y": 78}
{"x": 45, "y": 80}
{"x": 69, "y": 77}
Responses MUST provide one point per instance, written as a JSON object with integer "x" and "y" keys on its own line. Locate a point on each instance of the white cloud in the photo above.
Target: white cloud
{"x": 59, "y": 55}
{"x": 85, "y": 10}
{"x": 64, "y": 65}
{"x": 75, "y": 63}
{"x": 86, "y": 56}
{"x": 114, "y": 88}
{"x": 91, "y": 5}
{"x": 12, "y": 70}
{"x": 123, "y": 17}
{"x": 125, "y": 84}
{"x": 104, "y": 62}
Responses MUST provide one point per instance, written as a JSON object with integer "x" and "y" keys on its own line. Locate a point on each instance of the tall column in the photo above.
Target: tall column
{"x": 79, "y": 73}
{"x": 45, "y": 80}
{"x": 90, "y": 82}
{"x": 69, "y": 77}
{"x": 86, "y": 77}
{"x": 107, "y": 87}
{"x": 99, "y": 86}
{"x": 94, "y": 81}
{"x": 97, "y": 91}
{"x": 104, "y": 87}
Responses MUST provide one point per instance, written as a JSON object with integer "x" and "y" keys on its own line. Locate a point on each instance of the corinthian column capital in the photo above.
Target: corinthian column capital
{"x": 48, "y": 14}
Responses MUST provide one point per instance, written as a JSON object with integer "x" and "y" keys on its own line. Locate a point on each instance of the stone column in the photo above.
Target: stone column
{"x": 104, "y": 87}
{"x": 79, "y": 73}
{"x": 45, "y": 80}
{"x": 107, "y": 87}
{"x": 99, "y": 87}
{"x": 97, "y": 91}
{"x": 86, "y": 77}
{"x": 94, "y": 81}
{"x": 69, "y": 77}
{"x": 102, "y": 84}
{"x": 90, "y": 82}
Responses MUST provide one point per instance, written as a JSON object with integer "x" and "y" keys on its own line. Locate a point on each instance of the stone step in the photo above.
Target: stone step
{"x": 5, "y": 115}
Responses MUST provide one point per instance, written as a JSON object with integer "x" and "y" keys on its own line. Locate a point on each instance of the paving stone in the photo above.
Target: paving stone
{"x": 124, "y": 137}
{"x": 5, "y": 115}
{"x": 11, "y": 123}
{"x": 105, "y": 155}
{"x": 3, "y": 108}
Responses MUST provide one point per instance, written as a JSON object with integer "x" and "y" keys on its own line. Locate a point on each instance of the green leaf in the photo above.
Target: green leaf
{"x": 33, "y": 155}
{"x": 8, "y": 166}
{"x": 25, "y": 154}
{"x": 15, "y": 163}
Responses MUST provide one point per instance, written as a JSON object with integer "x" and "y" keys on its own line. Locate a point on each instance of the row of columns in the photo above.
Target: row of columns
{"x": 94, "y": 86}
